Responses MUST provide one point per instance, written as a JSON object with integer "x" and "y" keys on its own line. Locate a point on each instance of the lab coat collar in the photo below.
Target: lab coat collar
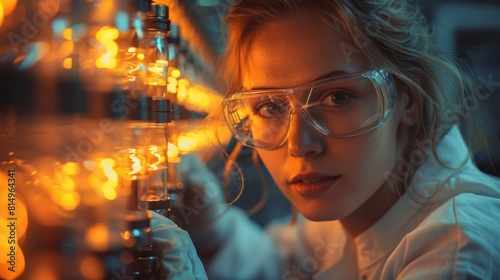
{"x": 422, "y": 196}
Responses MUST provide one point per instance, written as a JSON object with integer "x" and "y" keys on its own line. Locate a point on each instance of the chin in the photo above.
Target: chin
{"x": 319, "y": 215}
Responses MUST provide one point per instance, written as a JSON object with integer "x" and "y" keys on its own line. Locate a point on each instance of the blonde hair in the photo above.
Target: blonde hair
{"x": 393, "y": 34}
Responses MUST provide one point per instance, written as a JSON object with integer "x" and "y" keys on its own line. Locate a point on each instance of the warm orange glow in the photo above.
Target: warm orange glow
{"x": 184, "y": 83}
{"x": 8, "y": 6}
{"x": 140, "y": 56}
{"x": 172, "y": 89}
{"x": 162, "y": 62}
{"x": 128, "y": 242}
{"x": 172, "y": 85}
{"x": 106, "y": 61}
{"x": 107, "y": 165}
{"x": 106, "y": 36}
{"x": 107, "y": 33}
{"x": 6, "y": 245}
{"x": 71, "y": 168}
{"x": 155, "y": 73}
{"x": 186, "y": 143}
{"x": 136, "y": 162}
{"x": 126, "y": 235}
{"x": 70, "y": 201}
{"x": 109, "y": 187}
{"x": 155, "y": 151}
{"x": 109, "y": 193}
{"x": 67, "y": 184}
{"x": 91, "y": 268}
{"x": 1, "y": 13}
{"x": 182, "y": 90}
{"x": 97, "y": 237}
{"x": 5, "y": 248}
{"x": 22, "y": 218}
{"x": 68, "y": 63}
{"x": 68, "y": 34}
{"x": 172, "y": 151}
{"x": 176, "y": 73}
{"x": 194, "y": 140}
{"x": 65, "y": 49}
{"x": 198, "y": 98}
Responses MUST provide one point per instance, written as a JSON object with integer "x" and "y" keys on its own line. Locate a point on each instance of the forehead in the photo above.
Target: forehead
{"x": 296, "y": 50}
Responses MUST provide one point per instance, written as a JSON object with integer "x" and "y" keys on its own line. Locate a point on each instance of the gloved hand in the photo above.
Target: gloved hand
{"x": 202, "y": 198}
{"x": 199, "y": 211}
{"x": 178, "y": 255}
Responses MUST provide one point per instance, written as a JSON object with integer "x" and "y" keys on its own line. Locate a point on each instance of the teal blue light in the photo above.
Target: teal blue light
{"x": 122, "y": 21}
{"x": 59, "y": 25}
{"x": 207, "y": 3}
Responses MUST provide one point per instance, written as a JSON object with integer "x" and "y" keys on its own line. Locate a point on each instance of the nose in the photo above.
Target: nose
{"x": 303, "y": 139}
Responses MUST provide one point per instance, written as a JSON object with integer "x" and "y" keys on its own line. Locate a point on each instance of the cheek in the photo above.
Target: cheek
{"x": 370, "y": 157}
{"x": 271, "y": 160}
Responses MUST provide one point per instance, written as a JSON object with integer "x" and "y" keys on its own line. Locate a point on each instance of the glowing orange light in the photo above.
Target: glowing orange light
{"x": 136, "y": 162}
{"x": 140, "y": 56}
{"x": 97, "y": 237}
{"x": 172, "y": 84}
{"x": 66, "y": 49}
{"x": 176, "y": 73}
{"x": 186, "y": 143}
{"x": 1, "y": 14}
{"x": 6, "y": 236}
{"x": 107, "y": 165}
{"x": 172, "y": 151}
{"x": 155, "y": 151}
{"x": 68, "y": 63}
{"x": 109, "y": 187}
{"x": 68, "y": 34}
{"x": 106, "y": 36}
{"x": 109, "y": 193}
{"x": 126, "y": 235}
{"x": 67, "y": 184}
{"x": 8, "y": 6}
{"x": 107, "y": 33}
{"x": 182, "y": 89}
{"x": 5, "y": 248}
{"x": 71, "y": 168}
{"x": 69, "y": 201}
{"x": 161, "y": 62}
{"x": 22, "y": 218}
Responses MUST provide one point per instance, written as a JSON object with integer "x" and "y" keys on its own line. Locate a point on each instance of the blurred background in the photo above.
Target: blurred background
{"x": 71, "y": 109}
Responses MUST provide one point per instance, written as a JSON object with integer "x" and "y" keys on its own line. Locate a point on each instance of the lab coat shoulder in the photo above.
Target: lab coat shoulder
{"x": 458, "y": 239}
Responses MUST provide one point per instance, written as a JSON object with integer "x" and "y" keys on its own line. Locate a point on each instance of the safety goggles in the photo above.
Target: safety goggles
{"x": 342, "y": 106}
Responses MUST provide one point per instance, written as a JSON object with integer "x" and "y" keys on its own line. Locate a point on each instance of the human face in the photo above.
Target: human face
{"x": 325, "y": 178}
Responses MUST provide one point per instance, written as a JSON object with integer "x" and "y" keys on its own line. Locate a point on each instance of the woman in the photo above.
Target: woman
{"x": 347, "y": 105}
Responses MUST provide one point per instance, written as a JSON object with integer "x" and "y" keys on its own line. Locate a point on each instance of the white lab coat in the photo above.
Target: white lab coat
{"x": 451, "y": 232}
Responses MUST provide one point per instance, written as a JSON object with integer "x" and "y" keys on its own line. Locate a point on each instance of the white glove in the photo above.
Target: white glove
{"x": 178, "y": 255}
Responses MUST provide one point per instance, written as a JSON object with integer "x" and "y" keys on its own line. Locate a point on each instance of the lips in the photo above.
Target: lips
{"x": 310, "y": 185}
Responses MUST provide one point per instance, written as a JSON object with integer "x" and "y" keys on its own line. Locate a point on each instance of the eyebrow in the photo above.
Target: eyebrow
{"x": 327, "y": 75}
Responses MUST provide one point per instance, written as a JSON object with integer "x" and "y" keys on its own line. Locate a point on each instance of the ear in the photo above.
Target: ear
{"x": 409, "y": 110}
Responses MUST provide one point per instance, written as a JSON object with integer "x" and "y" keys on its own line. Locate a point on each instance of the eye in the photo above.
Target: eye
{"x": 336, "y": 98}
{"x": 269, "y": 110}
